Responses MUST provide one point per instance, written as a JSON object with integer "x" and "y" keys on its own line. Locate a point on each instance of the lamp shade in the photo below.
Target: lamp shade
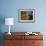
{"x": 9, "y": 21}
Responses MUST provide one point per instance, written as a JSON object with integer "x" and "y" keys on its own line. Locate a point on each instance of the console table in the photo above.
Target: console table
{"x": 20, "y": 39}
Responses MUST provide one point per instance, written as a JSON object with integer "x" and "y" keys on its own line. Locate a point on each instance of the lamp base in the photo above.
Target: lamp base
{"x": 9, "y": 33}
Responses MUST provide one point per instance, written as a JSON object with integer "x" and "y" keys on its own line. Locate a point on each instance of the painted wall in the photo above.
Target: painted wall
{"x": 9, "y": 8}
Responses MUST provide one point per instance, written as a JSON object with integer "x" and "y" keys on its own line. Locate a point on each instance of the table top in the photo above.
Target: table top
{"x": 22, "y": 35}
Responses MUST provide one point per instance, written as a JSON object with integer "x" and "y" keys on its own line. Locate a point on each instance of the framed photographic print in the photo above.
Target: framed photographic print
{"x": 26, "y": 15}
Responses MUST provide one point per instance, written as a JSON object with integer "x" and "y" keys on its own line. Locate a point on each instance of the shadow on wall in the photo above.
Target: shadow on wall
{"x": 2, "y": 21}
{"x": 1, "y": 39}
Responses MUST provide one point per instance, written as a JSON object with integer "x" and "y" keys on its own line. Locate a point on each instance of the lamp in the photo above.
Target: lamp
{"x": 9, "y": 21}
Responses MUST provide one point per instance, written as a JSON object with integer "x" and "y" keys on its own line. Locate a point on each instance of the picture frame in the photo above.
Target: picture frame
{"x": 26, "y": 15}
